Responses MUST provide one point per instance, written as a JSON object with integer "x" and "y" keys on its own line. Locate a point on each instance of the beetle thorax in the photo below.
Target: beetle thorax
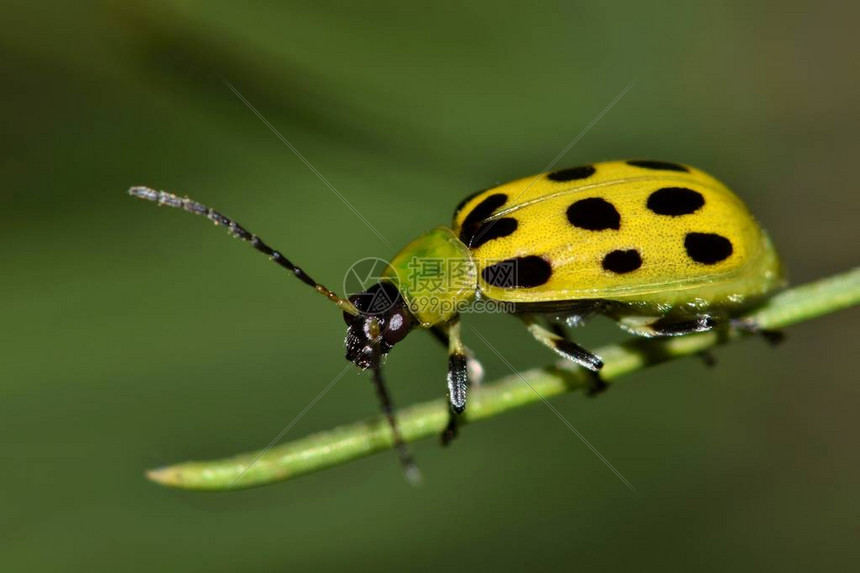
{"x": 436, "y": 276}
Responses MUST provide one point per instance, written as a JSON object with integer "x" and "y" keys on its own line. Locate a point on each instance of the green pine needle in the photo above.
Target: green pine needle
{"x": 342, "y": 444}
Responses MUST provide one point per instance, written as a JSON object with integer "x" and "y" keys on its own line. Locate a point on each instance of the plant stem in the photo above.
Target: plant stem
{"x": 344, "y": 443}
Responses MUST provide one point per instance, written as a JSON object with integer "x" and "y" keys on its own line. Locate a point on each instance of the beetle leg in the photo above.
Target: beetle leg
{"x": 569, "y": 350}
{"x": 638, "y": 325}
{"x": 473, "y": 365}
{"x": 557, "y": 329}
{"x": 564, "y": 346}
{"x": 773, "y": 337}
{"x": 458, "y": 379}
{"x": 413, "y": 475}
{"x": 597, "y": 384}
{"x": 667, "y": 326}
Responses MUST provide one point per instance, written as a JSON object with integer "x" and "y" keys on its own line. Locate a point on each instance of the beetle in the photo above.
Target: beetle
{"x": 664, "y": 249}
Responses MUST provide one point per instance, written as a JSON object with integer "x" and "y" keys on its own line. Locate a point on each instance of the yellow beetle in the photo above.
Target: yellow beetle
{"x": 662, "y": 248}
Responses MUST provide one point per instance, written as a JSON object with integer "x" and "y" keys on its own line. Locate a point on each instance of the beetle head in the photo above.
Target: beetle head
{"x": 383, "y": 304}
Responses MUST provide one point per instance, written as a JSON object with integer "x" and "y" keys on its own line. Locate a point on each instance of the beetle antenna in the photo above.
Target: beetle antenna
{"x": 413, "y": 474}
{"x": 186, "y": 204}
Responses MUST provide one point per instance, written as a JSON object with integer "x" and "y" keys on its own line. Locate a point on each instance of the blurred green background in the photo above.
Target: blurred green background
{"x": 136, "y": 337}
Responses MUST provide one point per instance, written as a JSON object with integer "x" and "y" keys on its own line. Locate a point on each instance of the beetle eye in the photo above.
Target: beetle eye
{"x": 397, "y": 327}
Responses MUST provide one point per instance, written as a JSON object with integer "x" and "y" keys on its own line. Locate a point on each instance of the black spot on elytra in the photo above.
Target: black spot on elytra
{"x": 621, "y": 262}
{"x": 594, "y": 214}
{"x": 478, "y": 214}
{"x": 675, "y": 201}
{"x": 462, "y": 203}
{"x": 707, "y": 248}
{"x": 520, "y": 272}
{"x": 491, "y": 230}
{"x": 572, "y": 174}
{"x": 657, "y": 165}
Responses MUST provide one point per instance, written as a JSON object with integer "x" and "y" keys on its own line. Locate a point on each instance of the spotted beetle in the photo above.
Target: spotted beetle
{"x": 661, "y": 248}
